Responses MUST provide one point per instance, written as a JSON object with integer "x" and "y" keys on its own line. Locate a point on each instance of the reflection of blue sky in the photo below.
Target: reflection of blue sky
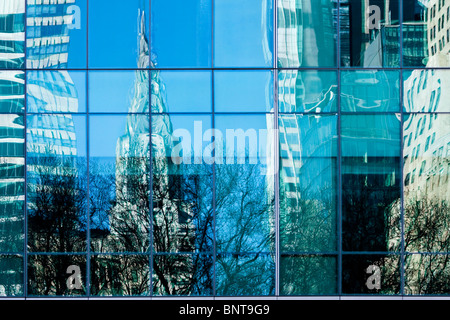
{"x": 113, "y": 33}
{"x": 238, "y": 29}
{"x": 80, "y": 133}
{"x": 104, "y": 132}
{"x": 187, "y": 91}
{"x": 77, "y": 44}
{"x": 243, "y": 91}
{"x": 79, "y": 79}
{"x": 181, "y": 33}
{"x": 110, "y": 91}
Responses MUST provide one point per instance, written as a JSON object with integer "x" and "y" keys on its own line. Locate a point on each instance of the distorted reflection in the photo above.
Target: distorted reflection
{"x": 12, "y": 28}
{"x": 307, "y": 33}
{"x": 370, "y": 33}
{"x": 11, "y": 275}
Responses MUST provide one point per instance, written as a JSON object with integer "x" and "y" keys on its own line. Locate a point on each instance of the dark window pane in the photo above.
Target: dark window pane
{"x": 307, "y": 91}
{"x": 118, "y": 34}
{"x": 11, "y": 276}
{"x": 56, "y": 189}
{"x": 119, "y": 183}
{"x": 371, "y": 274}
{"x": 307, "y": 33}
{"x": 370, "y": 182}
{"x": 308, "y": 275}
{"x": 243, "y": 91}
{"x": 370, "y": 91}
{"x": 181, "y": 33}
{"x": 419, "y": 34}
{"x": 244, "y": 26}
{"x": 56, "y": 34}
{"x": 182, "y": 275}
{"x": 245, "y": 275}
{"x": 182, "y": 184}
{"x": 308, "y": 183}
{"x": 56, "y": 91}
{"x": 182, "y": 91}
{"x": 120, "y": 275}
{"x": 369, "y": 33}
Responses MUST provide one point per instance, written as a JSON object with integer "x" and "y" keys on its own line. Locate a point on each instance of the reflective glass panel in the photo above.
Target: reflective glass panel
{"x": 307, "y": 33}
{"x": 370, "y": 33}
{"x": 308, "y": 275}
{"x": 183, "y": 275}
{"x": 426, "y": 171}
{"x": 307, "y": 91}
{"x": 56, "y": 91}
{"x": 57, "y": 275}
{"x": 370, "y": 91}
{"x": 371, "y": 274}
{"x": 370, "y": 182}
{"x": 119, "y": 183}
{"x": 56, "y": 185}
{"x": 243, "y": 91}
{"x": 308, "y": 183}
{"x": 12, "y": 182}
{"x": 113, "y": 27}
{"x": 12, "y": 28}
{"x": 425, "y": 90}
{"x": 11, "y": 276}
{"x": 118, "y": 91}
{"x": 120, "y": 275}
{"x": 182, "y": 183}
{"x": 244, "y": 191}
{"x": 12, "y": 91}
{"x": 245, "y": 275}
{"x": 246, "y": 27}
{"x": 181, "y": 33}
{"x": 56, "y": 34}
{"x": 427, "y": 274}
{"x": 182, "y": 91}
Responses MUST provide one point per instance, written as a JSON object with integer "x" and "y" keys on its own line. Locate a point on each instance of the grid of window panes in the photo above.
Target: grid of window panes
{"x": 272, "y": 148}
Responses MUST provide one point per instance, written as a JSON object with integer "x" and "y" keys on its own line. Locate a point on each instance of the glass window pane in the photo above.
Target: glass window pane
{"x": 183, "y": 275}
{"x": 307, "y": 33}
{"x": 308, "y": 275}
{"x": 56, "y": 34}
{"x": 11, "y": 276}
{"x": 120, "y": 275}
{"x": 182, "y": 91}
{"x": 371, "y": 274}
{"x": 244, "y": 184}
{"x": 426, "y": 171}
{"x": 244, "y": 27}
{"x": 57, "y": 275}
{"x": 370, "y": 182}
{"x": 118, "y": 34}
{"x": 12, "y": 91}
{"x": 421, "y": 34}
{"x": 56, "y": 186}
{"x": 307, "y": 91}
{"x": 182, "y": 184}
{"x": 370, "y": 91}
{"x": 425, "y": 90}
{"x": 12, "y": 28}
{"x": 56, "y": 91}
{"x": 118, "y": 176}
{"x": 243, "y": 91}
{"x": 370, "y": 33}
{"x": 181, "y": 33}
{"x": 12, "y": 182}
{"x": 118, "y": 91}
{"x": 245, "y": 275}
{"x": 427, "y": 274}
{"x": 308, "y": 183}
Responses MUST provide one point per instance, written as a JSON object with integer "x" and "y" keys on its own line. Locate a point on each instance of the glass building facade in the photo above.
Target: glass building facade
{"x": 224, "y": 148}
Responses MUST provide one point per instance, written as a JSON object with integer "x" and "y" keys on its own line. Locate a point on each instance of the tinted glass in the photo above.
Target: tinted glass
{"x": 12, "y": 91}
{"x": 12, "y": 27}
{"x": 11, "y": 276}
